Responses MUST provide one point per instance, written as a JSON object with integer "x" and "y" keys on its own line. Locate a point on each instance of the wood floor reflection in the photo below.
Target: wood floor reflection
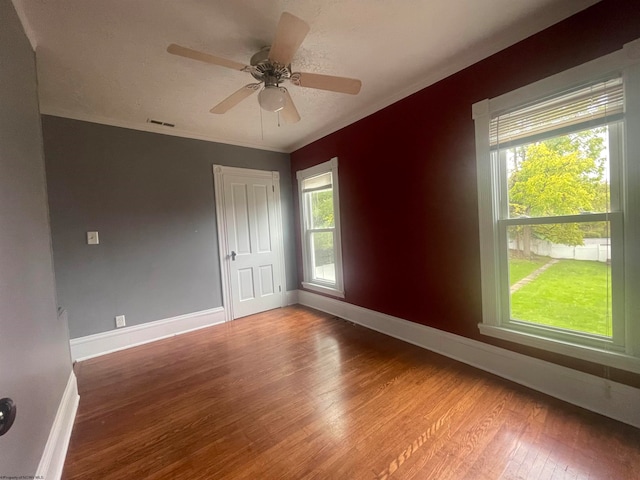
{"x": 294, "y": 393}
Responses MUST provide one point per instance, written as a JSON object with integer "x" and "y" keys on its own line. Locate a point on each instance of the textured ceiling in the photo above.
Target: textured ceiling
{"x": 106, "y": 60}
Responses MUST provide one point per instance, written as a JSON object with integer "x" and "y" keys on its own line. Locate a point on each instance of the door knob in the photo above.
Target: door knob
{"x": 233, "y": 255}
{"x": 7, "y": 415}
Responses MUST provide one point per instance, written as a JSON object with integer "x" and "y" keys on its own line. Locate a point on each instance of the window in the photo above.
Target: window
{"x": 559, "y": 211}
{"x": 320, "y": 223}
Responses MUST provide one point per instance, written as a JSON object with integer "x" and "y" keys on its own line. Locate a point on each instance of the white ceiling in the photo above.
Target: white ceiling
{"x": 106, "y": 60}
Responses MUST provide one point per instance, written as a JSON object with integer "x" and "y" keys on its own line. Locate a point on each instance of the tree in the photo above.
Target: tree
{"x": 322, "y": 215}
{"x": 322, "y": 208}
{"x": 559, "y": 176}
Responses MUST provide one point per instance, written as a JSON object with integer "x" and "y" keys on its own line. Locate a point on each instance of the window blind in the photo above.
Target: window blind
{"x": 319, "y": 182}
{"x": 591, "y": 105}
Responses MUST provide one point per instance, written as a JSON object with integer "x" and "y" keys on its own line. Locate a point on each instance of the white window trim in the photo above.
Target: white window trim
{"x": 626, "y": 61}
{"x": 336, "y": 290}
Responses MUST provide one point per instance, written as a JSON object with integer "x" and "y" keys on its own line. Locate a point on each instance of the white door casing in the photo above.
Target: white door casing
{"x": 250, "y": 240}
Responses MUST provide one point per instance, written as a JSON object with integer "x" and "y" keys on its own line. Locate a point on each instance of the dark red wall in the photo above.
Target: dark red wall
{"x": 408, "y": 180}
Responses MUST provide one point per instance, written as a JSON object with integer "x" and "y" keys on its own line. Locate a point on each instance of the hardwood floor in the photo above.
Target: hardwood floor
{"x": 294, "y": 393}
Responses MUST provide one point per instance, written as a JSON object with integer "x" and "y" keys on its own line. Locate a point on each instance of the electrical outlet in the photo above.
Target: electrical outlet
{"x": 120, "y": 322}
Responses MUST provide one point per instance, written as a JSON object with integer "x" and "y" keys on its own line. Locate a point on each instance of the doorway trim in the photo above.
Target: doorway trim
{"x": 219, "y": 171}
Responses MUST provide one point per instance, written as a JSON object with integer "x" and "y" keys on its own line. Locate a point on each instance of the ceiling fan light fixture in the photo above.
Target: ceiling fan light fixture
{"x": 272, "y": 98}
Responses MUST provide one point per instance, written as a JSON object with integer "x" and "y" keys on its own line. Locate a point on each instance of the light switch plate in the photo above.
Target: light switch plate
{"x": 92, "y": 238}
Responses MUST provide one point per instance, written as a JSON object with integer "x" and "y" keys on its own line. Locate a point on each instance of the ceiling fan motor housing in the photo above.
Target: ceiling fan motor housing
{"x": 264, "y": 70}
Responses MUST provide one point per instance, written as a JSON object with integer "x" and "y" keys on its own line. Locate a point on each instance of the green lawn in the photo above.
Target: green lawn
{"x": 571, "y": 294}
{"x": 520, "y": 268}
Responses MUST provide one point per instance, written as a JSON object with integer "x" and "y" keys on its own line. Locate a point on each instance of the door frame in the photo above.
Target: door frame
{"x": 219, "y": 171}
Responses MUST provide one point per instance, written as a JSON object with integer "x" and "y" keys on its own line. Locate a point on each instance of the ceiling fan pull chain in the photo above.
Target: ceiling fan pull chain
{"x": 261, "y": 125}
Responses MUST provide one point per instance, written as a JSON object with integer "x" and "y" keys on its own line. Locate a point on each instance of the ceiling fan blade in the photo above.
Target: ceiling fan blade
{"x": 204, "y": 57}
{"x": 327, "y": 82}
{"x": 289, "y": 35}
{"x": 235, "y": 98}
{"x": 289, "y": 112}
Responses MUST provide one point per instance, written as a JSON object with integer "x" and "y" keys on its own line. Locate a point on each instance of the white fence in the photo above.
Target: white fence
{"x": 594, "y": 249}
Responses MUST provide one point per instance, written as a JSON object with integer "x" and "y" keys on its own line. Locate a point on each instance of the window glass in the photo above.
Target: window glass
{"x": 324, "y": 267}
{"x": 561, "y": 175}
{"x": 321, "y": 208}
{"x": 560, "y": 276}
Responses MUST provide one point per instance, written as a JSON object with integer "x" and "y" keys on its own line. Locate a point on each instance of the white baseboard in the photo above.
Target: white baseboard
{"x": 55, "y": 451}
{"x": 291, "y": 297}
{"x": 91, "y": 346}
{"x": 611, "y": 399}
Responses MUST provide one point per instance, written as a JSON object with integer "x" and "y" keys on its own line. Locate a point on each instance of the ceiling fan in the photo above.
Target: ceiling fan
{"x": 271, "y": 66}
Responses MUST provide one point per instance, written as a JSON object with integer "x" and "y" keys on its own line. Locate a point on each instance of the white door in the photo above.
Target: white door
{"x": 251, "y": 237}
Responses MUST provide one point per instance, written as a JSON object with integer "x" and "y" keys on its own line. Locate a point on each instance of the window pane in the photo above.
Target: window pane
{"x": 320, "y": 205}
{"x": 560, "y": 276}
{"x": 322, "y": 256}
{"x": 563, "y": 175}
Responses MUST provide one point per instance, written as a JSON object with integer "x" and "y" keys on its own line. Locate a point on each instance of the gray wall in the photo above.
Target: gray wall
{"x": 35, "y": 363}
{"x": 151, "y": 198}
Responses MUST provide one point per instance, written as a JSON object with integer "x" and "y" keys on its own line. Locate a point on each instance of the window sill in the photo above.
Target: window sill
{"x": 322, "y": 289}
{"x": 591, "y": 354}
